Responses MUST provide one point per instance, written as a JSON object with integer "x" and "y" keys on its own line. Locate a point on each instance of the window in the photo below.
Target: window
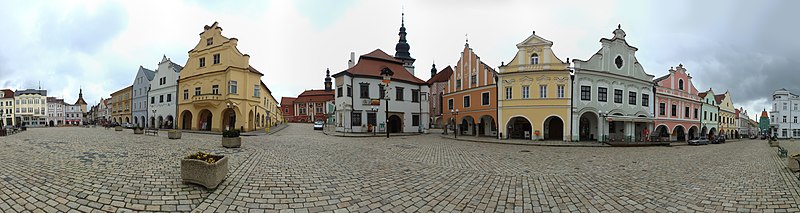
{"x": 618, "y": 61}
{"x": 662, "y": 108}
{"x": 185, "y": 94}
{"x": 534, "y": 58}
{"x": 215, "y": 89}
{"x": 381, "y": 91}
{"x": 169, "y": 97}
{"x": 784, "y": 106}
{"x": 560, "y": 91}
{"x": 414, "y": 120}
{"x": 202, "y": 62}
{"x": 372, "y": 118}
{"x": 618, "y": 96}
{"x": 399, "y": 93}
{"x": 216, "y": 58}
{"x": 795, "y": 106}
{"x": 680, "y": 84}
{"x": 586, "y": 93}
{"x": 632, "y": 98}
{"x": 415, "y": 95}
{"x": 161, "y": 99}
{"x": 466, "y": 101}
{"x": 232, "y": 88}
{"x": 485, "y": 98}
{"x": 695, "y": 113}
{"x": 784, "y": 132}
{"x": 674, "y": 109}
{"x": 363, "y": 90}
{"x": 197, "y": 91}
{"x": 473, "y": 79}
{"x": 784, "y": 119}
{"x": 542, "y": 91}
{"x": 526, "y": 92}
{"x": 508, "y": 93}
{"x": 458, "y": 83}
{"x": 602, "y": 94}
{"x": 209, "y": 41}
{"x": 686, "y": 112}
{"x": 257, "y": 91}
{"x": 349, "y": 91}
{"x": 795, "y": 119}
{"x": 338, "y": 92}
{"x": 356, "y": 118}
{"x": 450, "y": 104}
{"x": 152, "y": 100}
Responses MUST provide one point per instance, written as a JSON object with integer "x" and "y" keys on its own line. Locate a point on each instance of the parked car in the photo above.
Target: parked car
{"x": 753, "y": 137}
{"x": 763, "y": 137}
{"x": 699, "y": 141}
{"x": 718, "y": 140}
{"x": 318, "y": 125}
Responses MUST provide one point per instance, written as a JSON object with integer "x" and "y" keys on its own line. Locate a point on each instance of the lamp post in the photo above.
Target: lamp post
{"x": 455, "y": 117}
{"x": 571, "y": 101}
{"x": 387, "y": 78}
{"x": 375, "y": 126}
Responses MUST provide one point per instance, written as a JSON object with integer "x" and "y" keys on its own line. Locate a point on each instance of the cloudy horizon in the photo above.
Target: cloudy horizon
{"x": 739, "y": 46}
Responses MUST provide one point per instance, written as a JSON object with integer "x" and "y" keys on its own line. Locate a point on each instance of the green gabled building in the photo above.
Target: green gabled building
{"x": 763, "y": 123}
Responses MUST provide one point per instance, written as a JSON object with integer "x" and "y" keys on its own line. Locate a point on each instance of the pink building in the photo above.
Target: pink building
{"x": 678, "y": 107}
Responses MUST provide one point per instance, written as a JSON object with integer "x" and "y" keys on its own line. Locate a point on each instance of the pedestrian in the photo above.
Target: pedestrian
{"x": 645, "y": 132}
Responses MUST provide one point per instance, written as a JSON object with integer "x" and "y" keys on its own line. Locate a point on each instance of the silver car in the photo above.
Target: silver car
{"x": 318, "y": 125}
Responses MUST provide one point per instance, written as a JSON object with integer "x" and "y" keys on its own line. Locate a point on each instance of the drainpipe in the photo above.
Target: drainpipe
{"x": 352, "y": 105}
{"x": 419, "y": 101}
{"x": 497, "y": 106}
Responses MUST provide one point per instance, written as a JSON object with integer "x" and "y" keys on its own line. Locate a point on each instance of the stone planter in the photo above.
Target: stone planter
{"x": 774, "y": 143}
{"x": 234, "y": 142}
{"x": 203, "y": 173}
{"x": 791, "y": 163}
{"x": 118, "y": 128}
{"x": 138, "y": 131}
{"x": 174, "y": 134}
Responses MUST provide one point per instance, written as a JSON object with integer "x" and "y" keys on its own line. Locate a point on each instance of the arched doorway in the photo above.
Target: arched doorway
{"x": 250, "y": 121}
{"x": 204, "y": 123}
{"x": 143, "y": 121}
{"x": 115, "y": 120}
{"x": 152, "y": 122}
{"x": 52, "y": 124}
{"x": 160, "y": 122}
{"x": 519, "y": 128}
{"x": 703, "y": 132}
{"x": 186, "y": 115}
{"x": 712, "y": 133}
{"x": 587, "y": 127}
{"x": 170, "y": 122}
{"x": 228, "y": 119}
{"x": 127, "y": 120}
{"x": 553, "y": 128}
{"x": 661, "y": 133}
{"x": 487, "y": 126}
{"x": 736, "y": 134}
{"x": 467, "y": 126}
{"x": 136, "y": 121}
{"x": 395, "y": 124}
{"x": 692, "y": 132}
{"x": 679, "y": 133}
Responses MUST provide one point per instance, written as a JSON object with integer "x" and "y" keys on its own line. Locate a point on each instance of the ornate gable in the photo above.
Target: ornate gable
{"x": 534, "y": 54}
{"x": 615, "y": 56}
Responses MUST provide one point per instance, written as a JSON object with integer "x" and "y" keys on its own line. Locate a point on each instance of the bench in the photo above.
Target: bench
{"x": 154, "y": 132}
{"x": 782, "y": 152}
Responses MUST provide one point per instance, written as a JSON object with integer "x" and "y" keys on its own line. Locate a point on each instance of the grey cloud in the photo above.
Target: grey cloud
{"x": 81, "y": 29}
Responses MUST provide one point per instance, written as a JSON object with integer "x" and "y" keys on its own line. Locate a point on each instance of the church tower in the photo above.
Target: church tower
{"x": 80, "y": 101}
{"x": 328, "y": 85}
{"x": 402, "y": 48}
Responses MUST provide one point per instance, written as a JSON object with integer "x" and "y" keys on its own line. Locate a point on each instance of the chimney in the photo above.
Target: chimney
{"x": 352, "y": 61}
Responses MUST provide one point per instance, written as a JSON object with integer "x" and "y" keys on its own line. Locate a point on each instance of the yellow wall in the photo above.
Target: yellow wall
{"x": 121, "y": 105}
{"x": 232, "y": 66}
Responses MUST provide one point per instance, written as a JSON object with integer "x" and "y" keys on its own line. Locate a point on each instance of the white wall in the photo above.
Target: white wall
{"x": 407, "y": 107}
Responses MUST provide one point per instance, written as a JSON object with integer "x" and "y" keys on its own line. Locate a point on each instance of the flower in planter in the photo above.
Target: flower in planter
{"x": 204, "y": 156}
{"x": 230, "y": 133}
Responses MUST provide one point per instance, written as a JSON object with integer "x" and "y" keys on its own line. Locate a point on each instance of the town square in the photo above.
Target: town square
{"x": 399, "y": 106}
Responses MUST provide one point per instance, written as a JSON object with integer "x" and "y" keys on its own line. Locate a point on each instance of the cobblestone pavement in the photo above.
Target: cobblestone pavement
{"x": 301, "y": 170}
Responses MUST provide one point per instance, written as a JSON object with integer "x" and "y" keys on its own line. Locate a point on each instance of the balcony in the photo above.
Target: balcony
{"x": 206, "y": 99}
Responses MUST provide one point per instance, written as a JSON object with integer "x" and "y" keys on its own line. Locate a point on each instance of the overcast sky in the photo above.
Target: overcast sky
{"x": 746, "y": 47}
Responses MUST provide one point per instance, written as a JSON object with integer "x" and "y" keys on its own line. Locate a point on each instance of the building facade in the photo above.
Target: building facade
{"x": 121, "y": 106}
{"x": 287, "y": 108}
{"x": 763, "y": 124}
{"x": 710, "y": 120}
{"x": 30, "y": 107}
{"x": 311, "y": 105}
{"x": 615, "y": 101}
{"x": 534, "y": 93}
{"x": 219, "y": 90}
{"x": 362, "y": 96}
{"x": 678, "y": 115}
{"x": 743, "y": 125}
{"x": 140, "y": 99}
{"x": 6, "y": 108}
{"x": 437, "y": 83}
{"x": 727, "y": 115}
{"x": 75, "y": 114}
{"x": 55, "y": 111}
{"x": 163, "y": 95}
{"x": 471, "y": 96}
{"x": 784, "y": 113}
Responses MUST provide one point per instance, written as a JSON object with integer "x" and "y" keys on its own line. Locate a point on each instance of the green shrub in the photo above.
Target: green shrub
{"x": 230, "y": 133}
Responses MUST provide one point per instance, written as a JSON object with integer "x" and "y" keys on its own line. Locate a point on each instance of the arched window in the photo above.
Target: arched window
{"x": 534, "y": 58}
{"x": 680, "y": 84}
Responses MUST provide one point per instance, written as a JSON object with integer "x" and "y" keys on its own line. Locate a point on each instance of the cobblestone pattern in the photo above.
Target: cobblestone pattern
{"x": 300, "y": 170}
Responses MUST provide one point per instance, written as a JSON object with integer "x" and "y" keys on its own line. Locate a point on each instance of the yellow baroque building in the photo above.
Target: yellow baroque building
{"x": 219, "y": 90}
{"x": 534, "y": 93}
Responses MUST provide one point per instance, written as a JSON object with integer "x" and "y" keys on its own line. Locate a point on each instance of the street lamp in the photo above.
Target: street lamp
{"x": 387, "y": 78}
{"x": 455, "y": 117}
{"x": 571, "y": 100}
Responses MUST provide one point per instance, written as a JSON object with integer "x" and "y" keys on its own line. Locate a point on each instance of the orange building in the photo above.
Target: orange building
{"x": 471, "y": 96}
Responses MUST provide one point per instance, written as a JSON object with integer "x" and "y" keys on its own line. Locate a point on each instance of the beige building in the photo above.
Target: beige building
{"x": 219, "y": 90}
{"x": 6, "y": 107}
{"x": 121, "y": 106}
{"x": 30, "y": 107}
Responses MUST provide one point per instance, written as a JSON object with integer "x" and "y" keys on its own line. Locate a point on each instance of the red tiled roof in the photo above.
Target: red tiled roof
{"x": 287, "y": 100}
{"x": 702, "y": 94}
{"x": 719, "y": 98}
{"x": 315, "y": 92}
{"x": 372, "y": 63}
{"x": 764, "y": 114}
{"x": 309, "y": 96}
{"x": 442, "y": 76}
{"x": 7, "y": 93}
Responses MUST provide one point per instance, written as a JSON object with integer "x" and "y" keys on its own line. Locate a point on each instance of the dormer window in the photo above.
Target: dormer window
{"x": 680, "y": 84}
{"x": 202, "y": 62}
{"x": 534, "y": 58}
{"x": 618, "y": 61}
{"x": 209, "y": 41}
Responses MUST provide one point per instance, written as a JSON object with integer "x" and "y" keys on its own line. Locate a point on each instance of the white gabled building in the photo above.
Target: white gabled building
{"x": 163, "y": 95}
{"x": 784, "y": 114}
